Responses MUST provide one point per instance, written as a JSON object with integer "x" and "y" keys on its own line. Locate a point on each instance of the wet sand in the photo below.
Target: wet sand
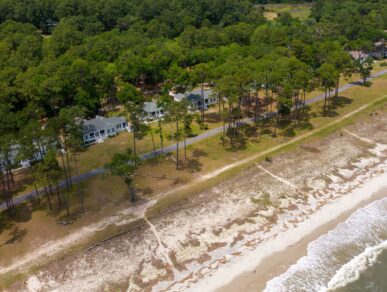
{"x": 277, "y": 263}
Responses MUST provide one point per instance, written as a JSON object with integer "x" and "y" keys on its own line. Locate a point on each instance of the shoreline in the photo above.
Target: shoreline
{"x": 274, "y": 257}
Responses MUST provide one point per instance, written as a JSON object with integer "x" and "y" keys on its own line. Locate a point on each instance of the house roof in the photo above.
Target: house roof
{"x": 99, "y": 123}
{"x": 151, "y": 106}
{"x": 358, "y": 54}
{"x": 193, "y": 96}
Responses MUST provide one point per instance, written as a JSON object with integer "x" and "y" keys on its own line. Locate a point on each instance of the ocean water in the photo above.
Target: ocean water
{"x": 351, "y": 257}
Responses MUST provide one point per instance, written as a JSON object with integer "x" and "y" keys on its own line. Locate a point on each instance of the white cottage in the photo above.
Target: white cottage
{"x": 100, "y": 128}
{"x": 15, "y": 160}
{"x": 153, "y": 111}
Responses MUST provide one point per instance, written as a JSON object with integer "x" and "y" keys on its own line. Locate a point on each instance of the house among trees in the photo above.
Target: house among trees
{"x": 15, "y": 161}
{"x": 380, "y": 50}
{"x": 153, "y": 111}
{"x": 98, "y": 129}
{"x": 195, "y": 97}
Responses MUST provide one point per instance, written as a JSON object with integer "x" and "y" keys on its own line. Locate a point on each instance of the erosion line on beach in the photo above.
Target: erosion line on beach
{"x": 358, "y": 137}
{"x": 162, "y": 248}
{"x": 278, "y": 178}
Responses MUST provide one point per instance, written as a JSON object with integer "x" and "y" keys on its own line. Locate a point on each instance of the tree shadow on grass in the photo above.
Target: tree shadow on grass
{"x": 212, "y": 118}
{"x": 197, "y": 153}
{"x": 337, "y": 103}
{"x": 17, "y": 235}
{"x": 23, "y": 213}
{"x": 341, "y": 101}
{"x": 193, "y": 165}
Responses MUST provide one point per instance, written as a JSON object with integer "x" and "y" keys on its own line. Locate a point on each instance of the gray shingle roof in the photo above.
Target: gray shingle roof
{"x": 193, "y": 96}
{"x": 150, "y": 107}
{"x": 99, "y": 123}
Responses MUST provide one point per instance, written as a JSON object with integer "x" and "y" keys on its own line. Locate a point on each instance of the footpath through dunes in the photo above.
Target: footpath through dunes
{"x": 181, "y": 248}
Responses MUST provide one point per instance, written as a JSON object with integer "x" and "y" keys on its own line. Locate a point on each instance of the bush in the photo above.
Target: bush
{"x": 268, "y": 159}
{"x": 289, "y": 132}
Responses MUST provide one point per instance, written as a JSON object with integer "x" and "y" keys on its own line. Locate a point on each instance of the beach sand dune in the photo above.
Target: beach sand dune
{"x": 270, "y": 209}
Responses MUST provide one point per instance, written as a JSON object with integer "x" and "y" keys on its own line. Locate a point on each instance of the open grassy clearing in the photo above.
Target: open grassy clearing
{"x": 377, "y": 67}
{"x": 301, "y": 11}
{"x": 98, "y": 155}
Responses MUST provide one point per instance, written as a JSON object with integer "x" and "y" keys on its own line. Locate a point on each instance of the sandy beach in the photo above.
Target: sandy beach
{"x": 279, "y": 262}
{"x": 228, "y": 231}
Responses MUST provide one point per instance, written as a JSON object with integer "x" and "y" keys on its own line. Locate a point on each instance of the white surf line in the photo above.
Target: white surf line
{"x": 161, "y": 246}
{"x": 278, "y": 178}
{"x": 358, "y": 137}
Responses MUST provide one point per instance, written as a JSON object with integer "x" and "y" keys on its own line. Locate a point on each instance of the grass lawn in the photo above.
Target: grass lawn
{"x": 377, "y": 67}
{"x": 301, "y": 11}
{"x": 36, "y": 224}
{"x": 98, "y": 155}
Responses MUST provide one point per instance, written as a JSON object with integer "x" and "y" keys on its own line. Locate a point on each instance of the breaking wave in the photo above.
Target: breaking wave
{"x": 351, "y": 271}
{"x": 340, "y": 256}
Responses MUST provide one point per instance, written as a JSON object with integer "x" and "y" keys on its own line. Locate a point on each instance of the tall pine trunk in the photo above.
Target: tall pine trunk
{"x": 134, "y": 145}
{"x": 153, "y": 139}
{"x": 64, "y": 169}
{"x": 58, "y": 195}
{"x": 37, "y": 193}
{"x": 68, "y": 167}
{"x": 177, "y": 144}
{"x": 161, "y": 136}
{"x": 337, "y": 87}
{"x": 256, "y": 109}
{"x": 203, "y": 103}
{"x": 48, "y": 197}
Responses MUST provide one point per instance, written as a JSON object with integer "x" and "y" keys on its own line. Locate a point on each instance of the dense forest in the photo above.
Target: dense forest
{"x": 63, "y": 59}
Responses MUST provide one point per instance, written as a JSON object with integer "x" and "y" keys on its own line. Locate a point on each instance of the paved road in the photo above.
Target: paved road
{"x": 171, "y": 148}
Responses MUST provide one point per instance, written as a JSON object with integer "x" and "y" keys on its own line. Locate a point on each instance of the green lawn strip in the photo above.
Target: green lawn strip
{"x": 170, "y": 199}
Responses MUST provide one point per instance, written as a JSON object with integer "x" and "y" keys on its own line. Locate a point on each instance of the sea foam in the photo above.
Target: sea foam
{"x": 340, "y": 256}
{"x": 351, "y": 271}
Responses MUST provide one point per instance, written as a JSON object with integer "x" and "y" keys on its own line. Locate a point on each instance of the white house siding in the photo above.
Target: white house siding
{"x": 100, "y": 128}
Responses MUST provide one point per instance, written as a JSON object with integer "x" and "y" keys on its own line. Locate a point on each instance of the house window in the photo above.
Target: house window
{"x": 113, "y": 130}
{"x": 91, "y": 135}
{"x": 108, "y": 131}
{"x": 102, "y": 132}
{"x": 123, "y": 125}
